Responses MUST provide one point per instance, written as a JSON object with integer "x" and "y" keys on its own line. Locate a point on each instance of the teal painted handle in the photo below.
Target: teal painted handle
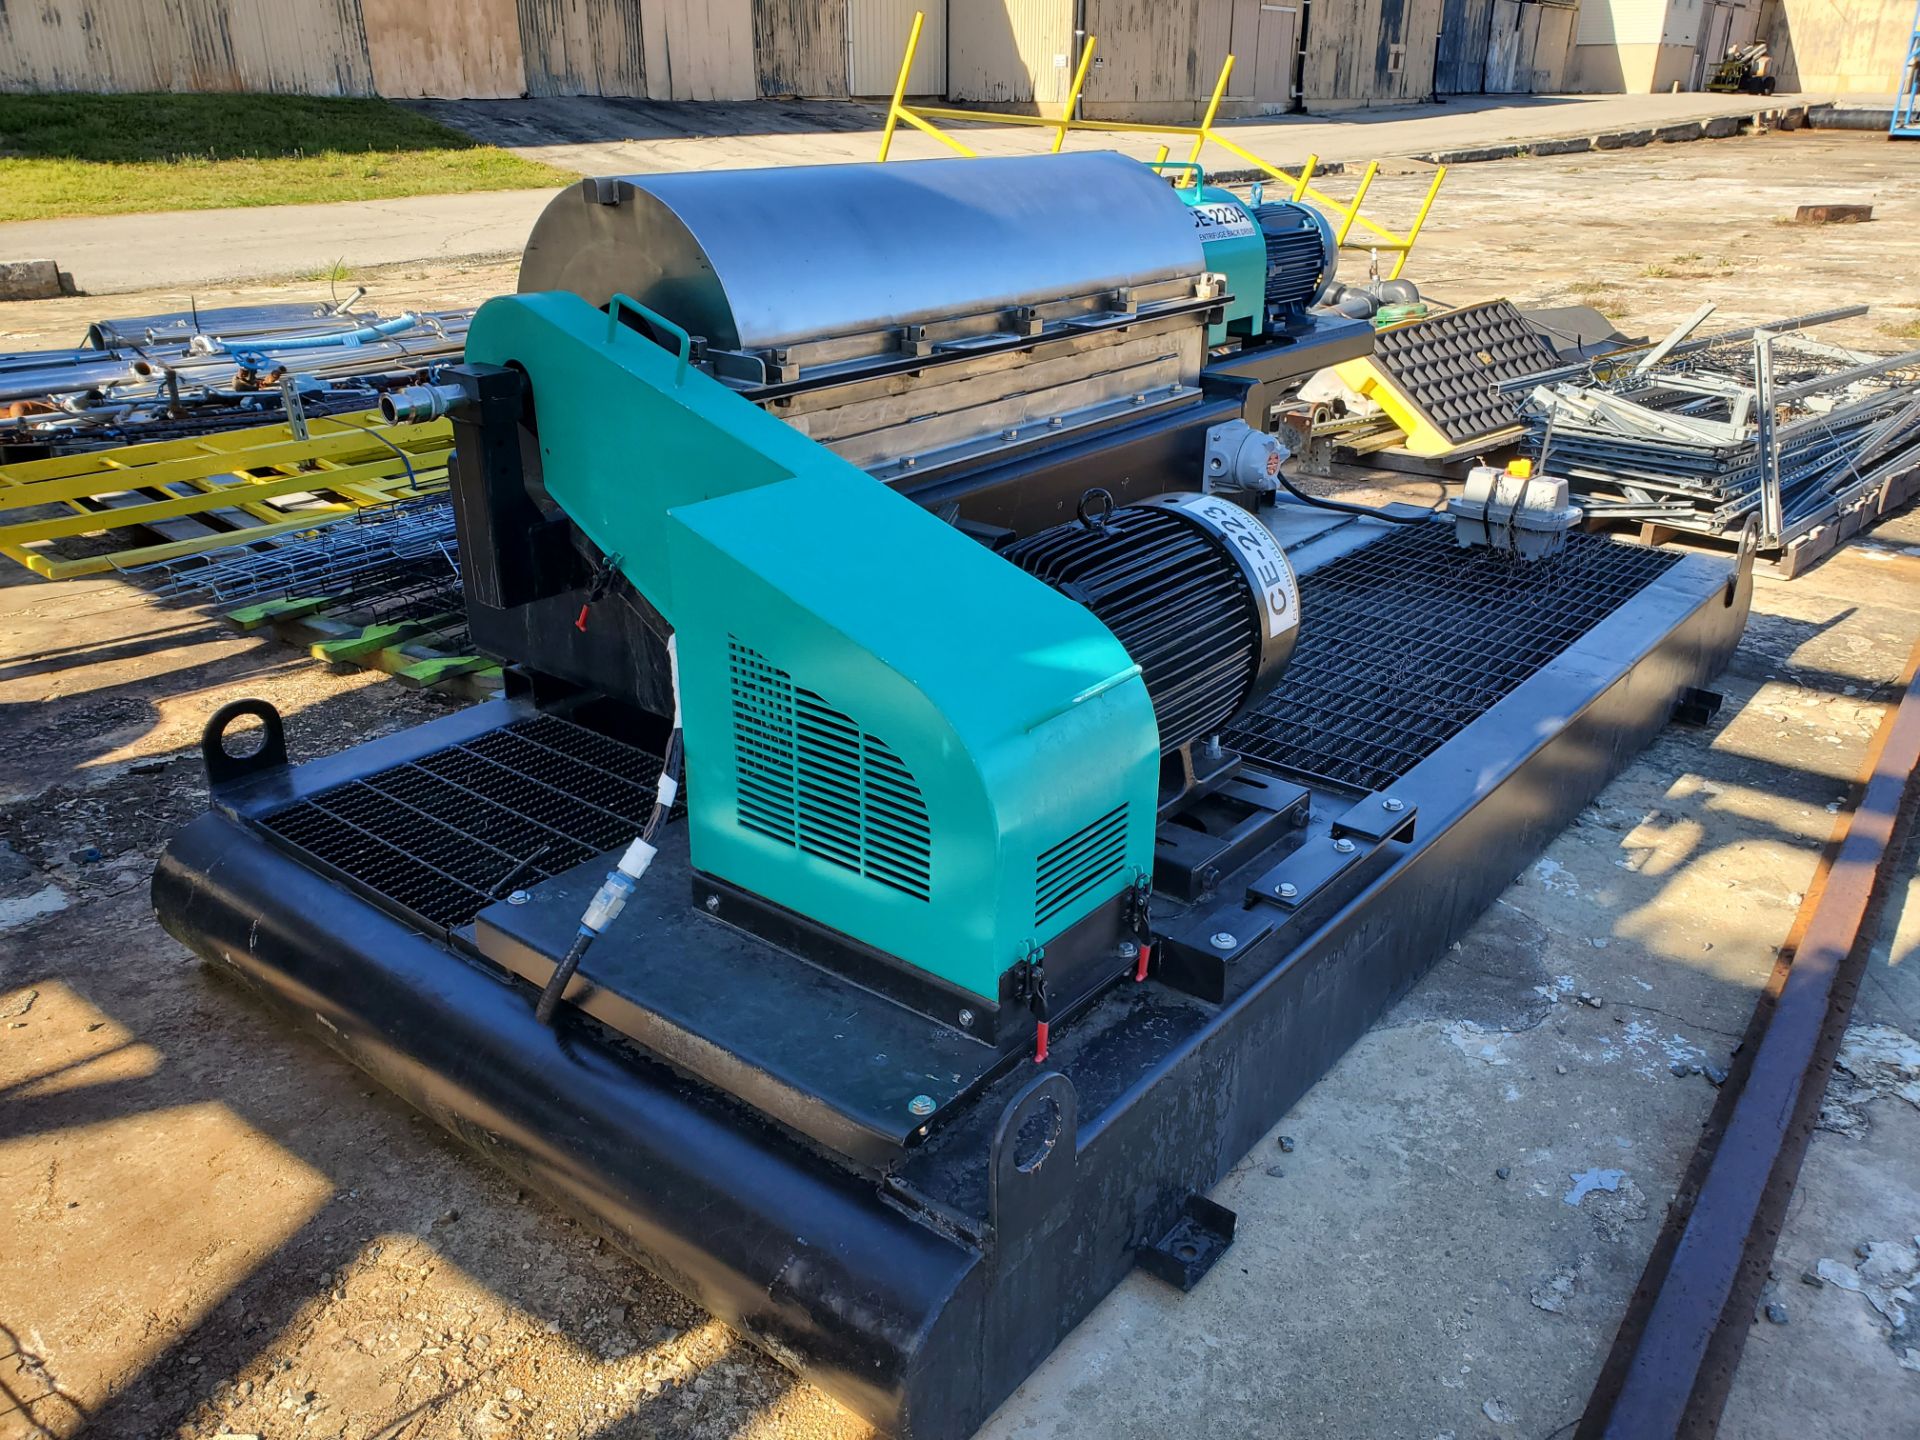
{"x": 1199, "y": 176}
{"x": 656, "y": 318}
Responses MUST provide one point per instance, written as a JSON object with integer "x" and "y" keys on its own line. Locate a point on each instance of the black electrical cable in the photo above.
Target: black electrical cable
{"x": 563, "y": 973}
{"x": 1366, "y": 511}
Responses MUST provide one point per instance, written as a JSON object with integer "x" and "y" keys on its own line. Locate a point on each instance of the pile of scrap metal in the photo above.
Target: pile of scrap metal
{"x": 197, "y": 372}
{"x": 953, "y": 793}
{"x": 1763, "y": 425}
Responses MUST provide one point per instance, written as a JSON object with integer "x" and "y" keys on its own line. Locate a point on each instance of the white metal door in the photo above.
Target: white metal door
{"x": 877, "y": 37}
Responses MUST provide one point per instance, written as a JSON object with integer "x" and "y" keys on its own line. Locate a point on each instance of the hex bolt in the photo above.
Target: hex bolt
{"x": 713, "y": 903}
{"x": 1223, "y": 941}
{"x": 1009, "y": 434}
{"x": 1055, "y": 423}
{"x": 920, "y": 1105}
{"x": 1393, "y": 806}
{"x": 518, "y": 897}
{"x": 1343, "y": 845}
{"x": 1288, "y": 890}
{"x": 1129, "y": 950}
{"x": 966, "y": 1019}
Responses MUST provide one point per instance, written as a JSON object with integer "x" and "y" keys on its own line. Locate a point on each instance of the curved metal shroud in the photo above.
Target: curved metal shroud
{"x": 756, "y": 259}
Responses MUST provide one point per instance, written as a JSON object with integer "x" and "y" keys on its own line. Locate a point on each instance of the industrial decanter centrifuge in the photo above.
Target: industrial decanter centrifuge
{"x": 952, "y": 796}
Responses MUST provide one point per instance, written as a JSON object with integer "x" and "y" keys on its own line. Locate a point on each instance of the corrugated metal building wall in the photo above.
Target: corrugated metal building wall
{"x": 304, "y": 47}
{"x": 1157, "y": 59}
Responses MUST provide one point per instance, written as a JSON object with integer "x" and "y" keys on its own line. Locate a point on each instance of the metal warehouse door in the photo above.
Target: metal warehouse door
{"x": 1263, "y": 37}
{"x": 877, "y": 38}
{"x": 1459, "y": 66}
{"x": 583, "y": 47}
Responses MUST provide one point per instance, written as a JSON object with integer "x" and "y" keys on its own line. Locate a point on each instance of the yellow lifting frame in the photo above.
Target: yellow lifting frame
{"x": 1345, "y": 215}
{"x": 343, "y": 465}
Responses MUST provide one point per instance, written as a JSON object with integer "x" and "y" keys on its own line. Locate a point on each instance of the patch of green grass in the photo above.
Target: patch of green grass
{"x": 121, "y": 154}
{"x": 1658, "y": 272}
{"x": 1587, "y": 289}
{"x": 1908, "y": 329}
{"x": 339, "y": 270}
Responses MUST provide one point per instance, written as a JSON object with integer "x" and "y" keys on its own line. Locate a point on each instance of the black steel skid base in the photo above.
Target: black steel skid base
{"x": 921, "y": 1286}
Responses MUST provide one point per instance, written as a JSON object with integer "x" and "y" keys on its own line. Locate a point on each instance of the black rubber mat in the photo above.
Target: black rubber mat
{"x": 1448, "y": 366}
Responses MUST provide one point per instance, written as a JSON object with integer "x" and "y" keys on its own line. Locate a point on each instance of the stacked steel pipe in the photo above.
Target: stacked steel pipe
{"x": 162, "y": 377}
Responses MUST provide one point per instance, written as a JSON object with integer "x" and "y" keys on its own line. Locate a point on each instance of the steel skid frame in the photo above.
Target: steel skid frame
{"x": 920, "y": 1285}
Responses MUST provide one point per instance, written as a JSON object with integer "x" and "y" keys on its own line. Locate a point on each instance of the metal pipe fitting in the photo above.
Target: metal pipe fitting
{"x": 418, "y": 402}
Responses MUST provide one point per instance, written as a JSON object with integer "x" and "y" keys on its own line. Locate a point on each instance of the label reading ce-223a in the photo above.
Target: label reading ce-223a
{"x": 1217, "y": 220}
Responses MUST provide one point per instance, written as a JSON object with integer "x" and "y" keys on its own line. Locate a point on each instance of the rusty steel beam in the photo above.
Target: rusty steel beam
{"x": 1673, "y": 1362}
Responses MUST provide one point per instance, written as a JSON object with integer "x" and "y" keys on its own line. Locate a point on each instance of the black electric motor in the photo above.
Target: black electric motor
{"x": 1197, "y": 590}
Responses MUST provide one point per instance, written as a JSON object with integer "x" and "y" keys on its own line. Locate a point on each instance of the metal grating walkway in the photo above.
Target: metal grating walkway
{"x": 446, "y": 835}
{"x": 1407, "y": 641}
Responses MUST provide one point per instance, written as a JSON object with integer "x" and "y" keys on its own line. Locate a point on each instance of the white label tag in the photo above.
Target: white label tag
{"x": 1219, "y": 220}
{"x": 1278, "y": 591}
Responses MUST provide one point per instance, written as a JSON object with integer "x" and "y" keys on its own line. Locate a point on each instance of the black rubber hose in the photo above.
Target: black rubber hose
{"x": 562, "y": 974}
{"x": 1345, "y": 509}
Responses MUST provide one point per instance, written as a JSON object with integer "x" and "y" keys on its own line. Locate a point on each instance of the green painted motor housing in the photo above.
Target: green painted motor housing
{"x": 1276, "y": 255}
{"x": 1231, "y": 241}
{"x": 889, "y": 729}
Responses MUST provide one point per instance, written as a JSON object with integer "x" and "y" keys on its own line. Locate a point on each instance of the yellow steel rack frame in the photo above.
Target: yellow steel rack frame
{"x": 251, "y": 484}
{"x": 1346, "y": 215}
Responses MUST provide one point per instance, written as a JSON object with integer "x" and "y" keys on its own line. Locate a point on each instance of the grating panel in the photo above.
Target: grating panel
{"x": 443, "y": 835}
{"x": 1407, "y": 641}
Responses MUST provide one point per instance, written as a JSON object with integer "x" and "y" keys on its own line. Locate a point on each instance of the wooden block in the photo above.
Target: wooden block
{"x": 1833, "y": 214}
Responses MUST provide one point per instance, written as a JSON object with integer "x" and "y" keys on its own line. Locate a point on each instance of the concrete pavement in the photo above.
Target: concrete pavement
{"x": 112, "y": 254}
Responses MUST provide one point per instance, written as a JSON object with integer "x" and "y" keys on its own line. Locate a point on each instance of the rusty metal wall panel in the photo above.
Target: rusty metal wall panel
{"x": 467, "y": 51}
{"x": 800, "y": 47}
{"x": 699, "y": 49}
{"x": 303, "y": 47}
{"x": 1011, "y": 51}
{"x": 877, "y": 38}
{"x": 583, "y": 47}
{"x": 1147, "y": 50}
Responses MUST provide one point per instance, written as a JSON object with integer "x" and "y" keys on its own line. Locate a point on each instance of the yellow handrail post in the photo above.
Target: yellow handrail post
{"x": 1306, "y": 178}
{"x": 1353, "y": 210}
{"x": 1419, "y": 220}
{"x": 1073, "y": 96}
{"x": 1213, "y": 108}
{"x": 900, "y": 85}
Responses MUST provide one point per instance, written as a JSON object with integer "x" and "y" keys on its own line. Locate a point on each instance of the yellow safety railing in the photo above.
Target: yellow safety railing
{"x": 1345, "y": 215}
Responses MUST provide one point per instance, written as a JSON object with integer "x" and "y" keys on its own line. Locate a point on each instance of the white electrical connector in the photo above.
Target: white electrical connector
{"x": 614, "y": 892}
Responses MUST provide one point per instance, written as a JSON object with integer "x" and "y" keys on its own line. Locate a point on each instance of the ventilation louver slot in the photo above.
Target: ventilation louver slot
{"x": 1070, "y": 869}
{"x": 809, "y": 777}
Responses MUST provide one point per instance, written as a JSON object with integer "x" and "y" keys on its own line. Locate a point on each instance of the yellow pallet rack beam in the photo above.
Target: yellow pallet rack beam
{"x": 280, "y": 482}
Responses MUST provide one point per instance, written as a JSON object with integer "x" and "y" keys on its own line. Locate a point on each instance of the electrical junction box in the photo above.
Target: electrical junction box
{"x": 1513, "y": 510}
